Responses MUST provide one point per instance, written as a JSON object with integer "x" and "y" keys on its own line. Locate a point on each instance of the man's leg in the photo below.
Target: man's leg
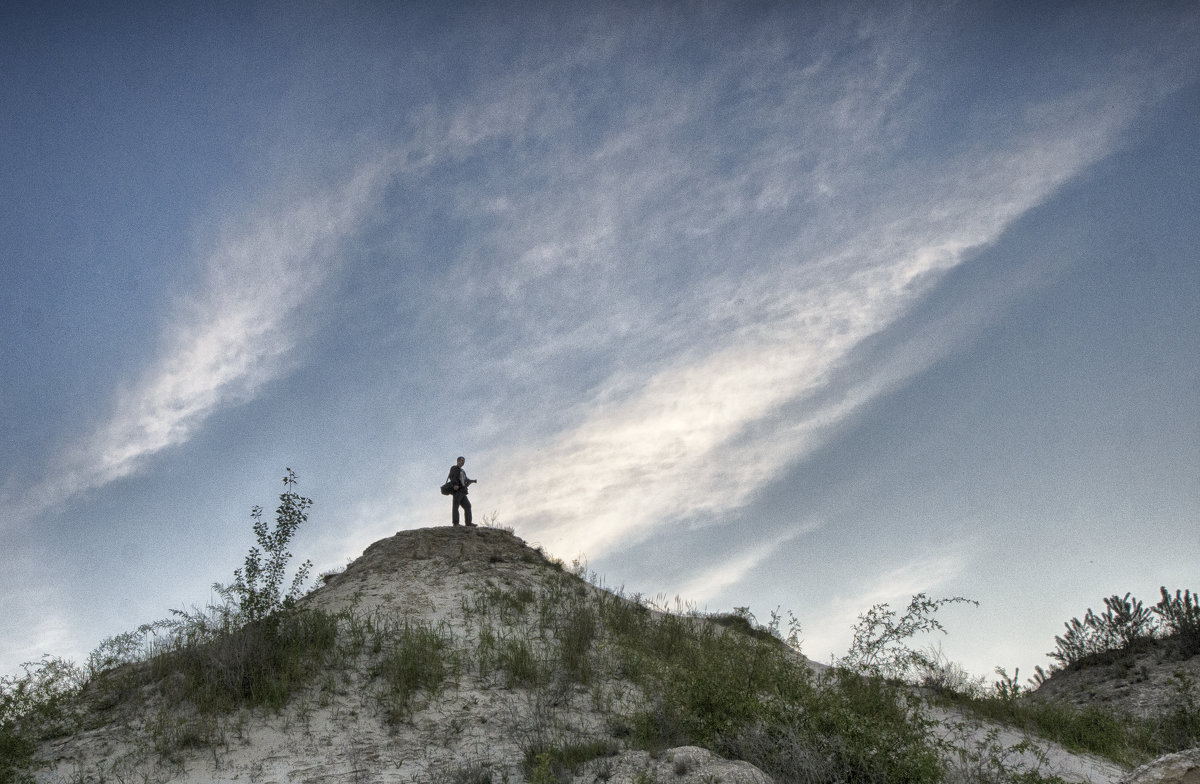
{"x": 466, "y": 505}
{"x": 454, "y": 509}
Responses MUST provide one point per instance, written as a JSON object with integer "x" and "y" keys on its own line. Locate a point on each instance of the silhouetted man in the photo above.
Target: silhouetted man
{"x": 459, "y": 482}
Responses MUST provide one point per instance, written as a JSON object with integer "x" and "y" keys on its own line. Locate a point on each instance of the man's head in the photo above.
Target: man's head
{"x": 461, "y": 460}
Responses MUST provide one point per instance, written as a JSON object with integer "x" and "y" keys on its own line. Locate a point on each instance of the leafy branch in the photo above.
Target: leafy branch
{"x": 879, "y": 645}
{"x": 257, "y": 588}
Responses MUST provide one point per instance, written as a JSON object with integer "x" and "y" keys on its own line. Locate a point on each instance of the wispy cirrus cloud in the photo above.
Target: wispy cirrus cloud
{"x": 732, "y": 568}
{"x": 754, "y": 378}
{"x": 35, "y": 625}
{"x": 231, "y": 334}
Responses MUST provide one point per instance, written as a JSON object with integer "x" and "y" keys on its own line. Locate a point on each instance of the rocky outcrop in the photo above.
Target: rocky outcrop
{"x": 1180, "y": 768}
{"x": 683, "y": 765}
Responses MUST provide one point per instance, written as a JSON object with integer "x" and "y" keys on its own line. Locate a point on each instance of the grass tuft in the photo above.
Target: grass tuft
{"x": 416, "y": 661}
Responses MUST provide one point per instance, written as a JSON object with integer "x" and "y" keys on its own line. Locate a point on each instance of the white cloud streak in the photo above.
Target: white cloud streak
{"x": 748, "y": 390}
{"x": 227, "y": 338}
{"x": 34, "y": 628}
{"x": 732, "y": 569}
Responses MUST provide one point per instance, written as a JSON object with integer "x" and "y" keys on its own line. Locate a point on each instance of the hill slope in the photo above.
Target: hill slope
{"x": 451, "y": 654}
{"x": 447, "y": 666}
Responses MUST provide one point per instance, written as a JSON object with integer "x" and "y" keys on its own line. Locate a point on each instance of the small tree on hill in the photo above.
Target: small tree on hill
{"x": 257, "y": 588}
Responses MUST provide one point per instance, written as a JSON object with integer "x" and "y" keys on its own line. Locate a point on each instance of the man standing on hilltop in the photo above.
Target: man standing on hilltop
{"x": 459, "y": 482}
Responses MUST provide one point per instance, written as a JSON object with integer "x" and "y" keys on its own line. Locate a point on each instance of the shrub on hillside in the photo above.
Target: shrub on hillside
{"x": 254, "y": 650}
{"x": 259, "y": 664}
{"x": 257, "y": 588}
{"x": 1180, "y": 617}
{"x": 880, "y": 646}
{"x": 746, "y": 696}
{"x": 1125, "y": 626}
{"x": 34, "y": 706}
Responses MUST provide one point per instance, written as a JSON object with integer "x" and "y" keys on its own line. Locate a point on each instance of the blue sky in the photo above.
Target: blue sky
{"x": 770, "y": 305}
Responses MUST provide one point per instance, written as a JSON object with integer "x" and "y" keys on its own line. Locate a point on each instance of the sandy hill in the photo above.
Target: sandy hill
{"x": 464, "y": 655}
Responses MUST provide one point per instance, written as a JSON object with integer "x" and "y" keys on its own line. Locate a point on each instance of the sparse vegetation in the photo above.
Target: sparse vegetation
{"x": 552, "y": 763}
{"x": 556, "y": 646}
{"x": 255, "y": 650}
{"x": 36, "y": 705}
{"x": 416, "y": 660}
{"x": 1104, "y": 731}
{"x": 941, "y": 676}
{"x": 1125, "y": 626}
{"x": 881, "y": 645}
{"x": 1180, "y": 619}
{"x": 744, "y": 693}
{"x": 260, "y": 664}
{"x": 987, "y": 760}
{"x": 1121, "y": 738}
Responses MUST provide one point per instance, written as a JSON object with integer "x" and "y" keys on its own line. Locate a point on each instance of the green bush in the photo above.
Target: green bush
{"x": 34, "y": 706}
{"x": 747, "y": 696}
{"x": 260, "y": 664}
{"x": 1126, "y": 621}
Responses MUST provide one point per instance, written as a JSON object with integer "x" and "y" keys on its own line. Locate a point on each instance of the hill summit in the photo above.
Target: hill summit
{"x": 440, "y": 654}
{"x": 465, "y": 655}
